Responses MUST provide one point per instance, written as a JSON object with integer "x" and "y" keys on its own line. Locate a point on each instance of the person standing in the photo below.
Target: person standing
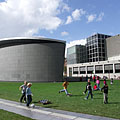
{"x": 104, "y": 81}
{"x": 98, "y": 83}
{"x": 94, "y": 78}
{"x": 111, "y": 81}
{"x": 28, "y": 94}
{"x": 23, "y": 87}
{"x": 105, "y": 94}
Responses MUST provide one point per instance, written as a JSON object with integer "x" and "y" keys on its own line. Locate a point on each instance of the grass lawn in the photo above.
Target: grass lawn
{"x": 75, "y": 103}
{"x": 4, "y": 115}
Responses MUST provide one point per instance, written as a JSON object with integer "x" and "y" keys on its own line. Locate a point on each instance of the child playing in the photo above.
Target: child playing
{"x": 105, "y": 88}
{"x": 95, "y": 87}
{"x": 104, "y": 81}
{"x": 98, "y": 83}
{"x": 86, "y": 87}
{"x": 89, "y": 87}
{"x": 65, "y": 84}
{"x": 23, "y": 87}
{"x": 111, "y": 81}
{"x": 29, "y": 94}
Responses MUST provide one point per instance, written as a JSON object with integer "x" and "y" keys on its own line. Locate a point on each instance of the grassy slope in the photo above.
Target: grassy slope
{"x": 75, "y": 103}
{"x": 4, "y": 115}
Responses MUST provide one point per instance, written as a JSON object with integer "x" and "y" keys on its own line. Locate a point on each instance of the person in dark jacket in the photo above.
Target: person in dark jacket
{"x": 105, "y": 94}
{"x": 86, "y": 86}
{"x": 89, "y": 87}
{"x": 23, "y": 87}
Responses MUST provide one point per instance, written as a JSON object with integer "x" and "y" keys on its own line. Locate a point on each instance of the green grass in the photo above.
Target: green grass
{"x": 4, "y": 115}
{"x": 75, "y": 103}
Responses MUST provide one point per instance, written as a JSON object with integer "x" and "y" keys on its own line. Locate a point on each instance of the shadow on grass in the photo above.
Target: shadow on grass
{"x": 76, "y": 95}
{"x": 97, "y": 98}
{"x": 99, "y": 93}
{"x": 113, "y": 102}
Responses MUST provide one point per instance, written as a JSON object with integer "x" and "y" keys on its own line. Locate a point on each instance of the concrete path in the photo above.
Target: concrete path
{"x": 40, "y": 113}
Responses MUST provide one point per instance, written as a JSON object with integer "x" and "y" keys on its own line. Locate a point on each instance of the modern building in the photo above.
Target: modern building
{"x": 113, "y": 47}
{"x": 96, "y": 47}
{"x": 110, "y": 69}
{"x": 76, "y": 54}
{"x": 31, "y": 59}
{"x": 103, "y": 58}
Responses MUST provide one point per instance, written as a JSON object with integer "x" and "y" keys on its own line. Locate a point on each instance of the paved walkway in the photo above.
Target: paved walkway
{"x": 40, "y": 113}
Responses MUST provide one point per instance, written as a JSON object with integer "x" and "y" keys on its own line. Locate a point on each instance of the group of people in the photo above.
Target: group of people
{"x": 90, "y": 89}
{"x": 97, "y": 87}
{"x": 26, "y": 93}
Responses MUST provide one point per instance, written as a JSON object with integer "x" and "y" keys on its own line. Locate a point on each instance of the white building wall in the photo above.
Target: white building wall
{"x": 103, "y": 63}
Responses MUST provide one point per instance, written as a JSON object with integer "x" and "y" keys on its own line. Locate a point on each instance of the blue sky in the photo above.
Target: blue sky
{"x": 69, "y": 20}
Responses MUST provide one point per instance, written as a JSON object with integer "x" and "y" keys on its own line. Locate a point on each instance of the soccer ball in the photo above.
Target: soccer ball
{"x": 32, "y": 105}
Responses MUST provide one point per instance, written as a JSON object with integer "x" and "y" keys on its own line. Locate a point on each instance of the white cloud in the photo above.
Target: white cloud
{"x": 64, "y": 33}
{"x": 100, "y": 17}
{"x": 75, "y": 42}
{"x": 27, "y": 17}
{"x": 77, "y": 14}
{"x": 91, "y": 18}
{"x": 69, "y": 20}
{"x": 65, "y": 7}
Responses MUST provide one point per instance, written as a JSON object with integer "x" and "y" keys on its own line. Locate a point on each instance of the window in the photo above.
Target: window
{"x": 108, "y": 68}
{"x": 75, "y": 70}
{"x": 117, "y": 68}
{"x": 82, "y": 70}
{"x": 98, "y": 69}
{"x": 70, "y": 72}
{"x": 90, "y": 69}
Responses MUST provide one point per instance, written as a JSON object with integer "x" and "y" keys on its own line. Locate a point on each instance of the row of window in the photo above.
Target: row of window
{"x": 108, "y": 68}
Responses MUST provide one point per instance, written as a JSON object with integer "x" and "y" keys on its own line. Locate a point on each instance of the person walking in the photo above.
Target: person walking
{"x": 23, "y": 87}
{"x": 28, "y": 94}
{"x": 86, "y": 86}
{"x": 89, "y": 87}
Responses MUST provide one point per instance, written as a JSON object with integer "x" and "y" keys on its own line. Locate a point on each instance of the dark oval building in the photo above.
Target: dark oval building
{"x": 31, "y": 59}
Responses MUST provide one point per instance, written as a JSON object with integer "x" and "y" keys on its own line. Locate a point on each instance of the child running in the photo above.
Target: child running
{"x": 23, "y": 87}
{"x": 65, "y": 84}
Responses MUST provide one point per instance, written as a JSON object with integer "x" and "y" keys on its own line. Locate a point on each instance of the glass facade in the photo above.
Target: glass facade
{"x": 96, "y": 47}
{"x": 76, "y": 54}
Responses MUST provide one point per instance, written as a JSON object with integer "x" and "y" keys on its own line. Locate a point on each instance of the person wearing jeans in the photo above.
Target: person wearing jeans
{"x": 28, "y": 94}
{"x": 23, "y": 87}
{"x": 65, "y": 84}
{"x": 89, "y": 87}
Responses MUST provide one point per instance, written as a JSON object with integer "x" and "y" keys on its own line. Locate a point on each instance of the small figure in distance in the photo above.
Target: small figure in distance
{"x": 105, "y": 94}
{"x": 28, "y": 94}
{"x": 104, "y": 81}
{"x": 65, "y": 84}
{"x": 94, "y": 78}
{"x": 95, "y": 87}
{"x": 98, "y": 83}
{"x": 89, "y": 87}
{"x": 86, "y": 86}
{"x": 23, "y": 87}
{"x": 111, "y": 81}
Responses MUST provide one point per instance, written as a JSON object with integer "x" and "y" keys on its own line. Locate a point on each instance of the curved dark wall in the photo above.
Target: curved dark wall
{"x": 33, "y": 61}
